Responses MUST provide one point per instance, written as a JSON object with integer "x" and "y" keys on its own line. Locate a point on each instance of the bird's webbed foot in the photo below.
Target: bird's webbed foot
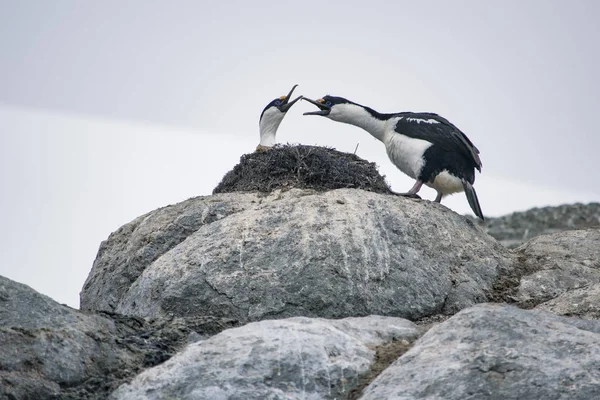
{"x": 409, "y": 195}
{"x": 412, "y": 193}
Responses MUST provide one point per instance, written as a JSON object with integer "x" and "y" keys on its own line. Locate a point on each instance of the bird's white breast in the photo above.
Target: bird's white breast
{"x": 405, "y": 152}
{"x": 446, "y": 183}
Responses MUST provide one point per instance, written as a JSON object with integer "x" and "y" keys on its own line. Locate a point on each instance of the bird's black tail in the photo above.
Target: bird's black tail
{"x": 472, "y": 198}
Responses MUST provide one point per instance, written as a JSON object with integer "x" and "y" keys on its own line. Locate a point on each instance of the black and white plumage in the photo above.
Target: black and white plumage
{"x": 271, "y": 117}
{"x": 425, "y": 146}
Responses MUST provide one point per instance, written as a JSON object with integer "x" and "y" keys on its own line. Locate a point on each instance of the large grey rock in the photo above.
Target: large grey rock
{"x": 296, "y": 358}
{"x": 334, "y": 254}
{"x": 497, "y": 352}
{"x": 48, "y": 350}
{"x": 558, "y": 263}
{"x": 46, "y": 347}
{"x": 128, "y": 251}
{"x": 514, "y": 229}
{"x": 583, "y": 303}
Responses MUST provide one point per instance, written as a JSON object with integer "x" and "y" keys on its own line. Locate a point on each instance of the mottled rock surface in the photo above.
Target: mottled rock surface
{"x": 583, "y": 303}
{"x": 514, "y": 229}
{"x": 335, "y": 254}
{"x": 50, "y": 351}
{"x": 556, "y": 264}
{"x": 46, "y": 347}
{"x": 497, "y": 352}
{"x": 296, "y": 358}
{"x": 128, "y": 251}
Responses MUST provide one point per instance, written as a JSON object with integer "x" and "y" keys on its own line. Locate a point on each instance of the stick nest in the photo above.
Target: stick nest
{"x": 305, "y": 167}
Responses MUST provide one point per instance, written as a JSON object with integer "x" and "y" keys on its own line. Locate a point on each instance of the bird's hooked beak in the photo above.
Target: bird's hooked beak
{"x": 323, "y": 109}
{"x": 286, "y": 104}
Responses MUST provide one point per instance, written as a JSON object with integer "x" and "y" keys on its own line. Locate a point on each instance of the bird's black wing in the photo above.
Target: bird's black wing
{"x": 436, "y": 129}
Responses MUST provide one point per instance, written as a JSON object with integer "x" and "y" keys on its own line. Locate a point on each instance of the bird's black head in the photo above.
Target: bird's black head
{"x": 283, "y": 103}
{"x": 325, "y": 104}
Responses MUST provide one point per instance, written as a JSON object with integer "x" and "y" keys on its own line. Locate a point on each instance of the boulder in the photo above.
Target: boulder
{"x": 46, "y": 347}
{"x": 556, "y": 264}
{"x": 334, "y": 254}
{"x": 50, "y": 351}
{"x": 497, "y": 352}
{"x": 129, "y": 250}
{"x": 295, "y": 358}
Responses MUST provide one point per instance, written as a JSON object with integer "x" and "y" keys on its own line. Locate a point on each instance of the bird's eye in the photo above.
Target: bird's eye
{"x": 328, "y": 103}
{"x": 277, "y": 102}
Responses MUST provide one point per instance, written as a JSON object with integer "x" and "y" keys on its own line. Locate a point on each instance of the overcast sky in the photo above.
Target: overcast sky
{"x": 111, "y": 109}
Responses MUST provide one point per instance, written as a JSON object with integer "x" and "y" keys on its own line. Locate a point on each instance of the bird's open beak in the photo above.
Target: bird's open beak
{"x": 286, "y": 104}
{"x": 323, "y": 109}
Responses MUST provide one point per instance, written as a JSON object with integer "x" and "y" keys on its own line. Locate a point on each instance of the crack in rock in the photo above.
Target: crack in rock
{"x": 385, "y": 355}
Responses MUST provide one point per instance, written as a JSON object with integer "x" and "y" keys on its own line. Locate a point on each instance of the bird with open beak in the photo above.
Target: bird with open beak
{"x": 271, "y": 117}
{"x": 423, "y": 145}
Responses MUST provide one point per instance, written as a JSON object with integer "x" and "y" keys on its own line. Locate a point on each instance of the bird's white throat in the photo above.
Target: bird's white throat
{"x": 268, "y": 126}
{"x": 356, "y": 115}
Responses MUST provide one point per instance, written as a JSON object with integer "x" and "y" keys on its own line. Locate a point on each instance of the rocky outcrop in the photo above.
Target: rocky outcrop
{"x": 559, "y": 263}
{"x": 172, "y": 296}
{"x": 47, "y": 347}
{"x": 296, "y": 358}
{"x": 549, "y": 266}
{"x": 515, "y": 229}
{"x": 497, "y": 352}
{"x": 583, "y": 303}
{"x": 50, "y": 351}
{"x": 335, "y": 254}
{"x": 566, "y": 280}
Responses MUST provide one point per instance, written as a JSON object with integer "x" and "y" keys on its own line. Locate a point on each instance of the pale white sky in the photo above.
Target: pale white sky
{"x": 109, "y": 110}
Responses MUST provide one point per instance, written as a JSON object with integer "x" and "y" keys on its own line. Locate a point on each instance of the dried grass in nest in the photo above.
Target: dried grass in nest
{"x": 304, "y": 167}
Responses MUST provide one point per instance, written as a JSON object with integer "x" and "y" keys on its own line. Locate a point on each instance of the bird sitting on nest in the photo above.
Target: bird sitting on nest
{"x": 271, "y": 117}
{"x": 425, "y": 146}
